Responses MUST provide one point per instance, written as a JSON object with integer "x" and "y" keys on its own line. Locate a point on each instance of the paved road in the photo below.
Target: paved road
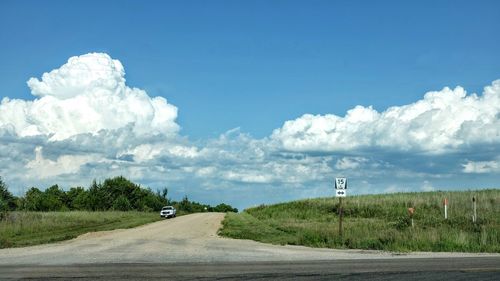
{"x": 188, "y": 247}
{"x": 485, "y": 268}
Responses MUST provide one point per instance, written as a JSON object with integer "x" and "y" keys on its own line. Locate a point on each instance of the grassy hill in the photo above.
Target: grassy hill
{"x": 377, "y": 222}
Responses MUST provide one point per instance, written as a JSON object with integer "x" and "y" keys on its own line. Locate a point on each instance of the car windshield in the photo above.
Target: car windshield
{"x": 167, "y": 208}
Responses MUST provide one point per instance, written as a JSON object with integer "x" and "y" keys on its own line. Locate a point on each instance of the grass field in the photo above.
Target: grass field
{"x": 30, "y": 228}
{"x": 377, "y": 222}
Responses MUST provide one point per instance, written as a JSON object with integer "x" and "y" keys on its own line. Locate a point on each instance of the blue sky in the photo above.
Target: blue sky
{"x": 254, "y": 65}
{"x": 260, "y": 62}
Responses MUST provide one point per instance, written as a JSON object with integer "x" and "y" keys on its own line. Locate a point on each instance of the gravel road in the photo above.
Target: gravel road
{"x": 191, "y": 238}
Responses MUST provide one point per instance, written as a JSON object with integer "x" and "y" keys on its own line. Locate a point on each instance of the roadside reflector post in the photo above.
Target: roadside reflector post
{"x": 474, "y": 217}
{"x": 411, "y": 211}
{"x": 445, "y": 203}
{"x": 340, "y": 192}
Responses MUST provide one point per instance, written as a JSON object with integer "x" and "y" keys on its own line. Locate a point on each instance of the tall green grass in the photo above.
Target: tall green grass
{"x": 30, "y": 228}
{"x": 378, "y": 222}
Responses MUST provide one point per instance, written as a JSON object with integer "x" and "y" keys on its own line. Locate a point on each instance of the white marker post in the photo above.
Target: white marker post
{"x": 340, "y": 191}
{"x": 474, "y": 217}
{"x": 445, "y": 202}
{"x": 411, "y": 212}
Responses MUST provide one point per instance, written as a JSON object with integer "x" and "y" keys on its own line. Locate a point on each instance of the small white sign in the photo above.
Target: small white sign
{"x": 341, "y": 193}
{"x": 340, "y": 183}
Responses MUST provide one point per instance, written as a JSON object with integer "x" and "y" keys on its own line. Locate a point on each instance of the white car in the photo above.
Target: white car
{"x": 168, "y": 212}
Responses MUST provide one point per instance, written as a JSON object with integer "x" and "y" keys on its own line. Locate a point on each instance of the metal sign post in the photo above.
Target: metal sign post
{"x": 340, "y": 192}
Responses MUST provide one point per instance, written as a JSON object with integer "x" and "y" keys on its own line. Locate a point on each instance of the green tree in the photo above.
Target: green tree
{"x": 224, "y": 208}
{"x": 163, "y": 195}
{"x": 119, "y": 186}
{"x": 185, "y": 205}
{"x": 7, "y": 200}
{"x": 54, "y": 199}
{"x": 122, "y": 204}
{"x": 80, "y": 201}
{"x": 150, "y": 201}
{"x": 97, "y": 199}
{"x": 76, "y": 198}
{"x": 33, "y": 199}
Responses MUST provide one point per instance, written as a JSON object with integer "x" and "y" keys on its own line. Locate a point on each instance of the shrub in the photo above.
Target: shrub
{"x": 122, "y": 204}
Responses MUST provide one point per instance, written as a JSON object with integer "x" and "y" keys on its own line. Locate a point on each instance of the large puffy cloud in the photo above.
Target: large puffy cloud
{"x": 442, "y": 121}
{"x": 65, "y": 164}
{"x": 85, "y": 123}
{"x": 91, "y": 72}
{"x": 86, "y": 95}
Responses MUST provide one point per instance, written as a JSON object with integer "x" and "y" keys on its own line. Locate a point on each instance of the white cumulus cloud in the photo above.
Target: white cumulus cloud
{"x": 481, "y": 167}
{"x": 86, "y": 95}
{"x": 349, "y": 163}
{"x": 65, "y": 164}
{"x": 442, "y": 121}
{"x": 90, "y": 125}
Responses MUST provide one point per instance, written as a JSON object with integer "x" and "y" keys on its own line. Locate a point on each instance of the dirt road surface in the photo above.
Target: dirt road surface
{"x": 186, "y": 239}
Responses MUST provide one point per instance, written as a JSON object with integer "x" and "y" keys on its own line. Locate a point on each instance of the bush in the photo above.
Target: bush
{"x": 402, "y": 223}
{"x": 122, "y": 204}
{"x": 224, "y": 208}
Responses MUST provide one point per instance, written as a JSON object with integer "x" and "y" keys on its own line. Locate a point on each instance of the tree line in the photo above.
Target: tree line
{"x": 116, "y": 193}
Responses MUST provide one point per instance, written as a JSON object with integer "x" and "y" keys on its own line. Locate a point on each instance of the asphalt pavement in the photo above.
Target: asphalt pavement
{"x": 483, "y": 268}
